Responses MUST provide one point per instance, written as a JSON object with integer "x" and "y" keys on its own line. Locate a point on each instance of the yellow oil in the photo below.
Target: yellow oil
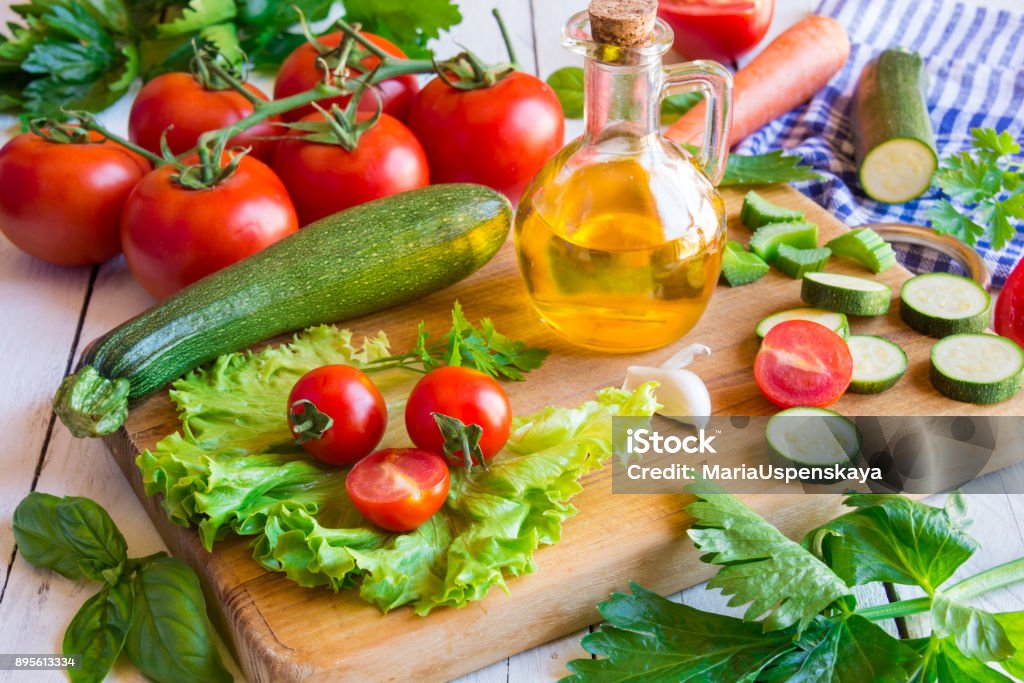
{"x": 606, "y": 267}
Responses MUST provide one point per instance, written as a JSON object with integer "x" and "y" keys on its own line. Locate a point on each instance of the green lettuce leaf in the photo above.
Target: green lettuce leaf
{"x": 234, "y": 468}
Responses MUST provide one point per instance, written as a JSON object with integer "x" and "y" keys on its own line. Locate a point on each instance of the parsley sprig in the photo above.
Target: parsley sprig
{"x": 985, "y": 190}
{"x": 474, "y": 346}
{"x": 803, "y": 623}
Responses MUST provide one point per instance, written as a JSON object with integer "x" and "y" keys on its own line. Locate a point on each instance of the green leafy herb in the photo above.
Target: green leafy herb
{"x": 766, "y": 169}
{"x": 674, "y": 106}
{"x": 151, "y": 608}
{"x": 482, "y": 348}
{"x": 986, "y": 195}
{"x": 234, "y": 468}
{"x": 567, "y": 83}
{"x": 814, "y": 634}
{"x": 71, "y": 55}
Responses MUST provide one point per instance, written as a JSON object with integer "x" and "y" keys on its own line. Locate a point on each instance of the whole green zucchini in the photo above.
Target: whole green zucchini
{"x": 358, "y": 261}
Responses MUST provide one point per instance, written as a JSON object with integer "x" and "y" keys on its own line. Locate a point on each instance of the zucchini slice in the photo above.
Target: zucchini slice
{"x": 758, "y": 211}
{"x": 766, "y": 240}
{"x": 877, "y": 364}
{"x": 836, "y": 322}
{"x": 846, "y": 294}
{"x": 865, "y": 246}
{"x": 812, "y": 437}
{"x": 739, "y": 266}
{"x": 795, "y": 262}
{"x": 893, "y": 139}
{"x": 941, "y": 304}
{"x": 977, "y": 368}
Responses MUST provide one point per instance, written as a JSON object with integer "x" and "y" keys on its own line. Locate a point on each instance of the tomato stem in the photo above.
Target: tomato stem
{"x": 236, "y": 84}
{"x": 89, "y": 122}
{"x": 505, "y": 37}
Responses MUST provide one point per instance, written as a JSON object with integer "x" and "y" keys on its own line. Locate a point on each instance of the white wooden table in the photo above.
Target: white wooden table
{"x": 48, "y": 314}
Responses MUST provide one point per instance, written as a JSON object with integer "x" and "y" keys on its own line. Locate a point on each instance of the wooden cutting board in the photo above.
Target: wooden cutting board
{"x": 281, "y": 632}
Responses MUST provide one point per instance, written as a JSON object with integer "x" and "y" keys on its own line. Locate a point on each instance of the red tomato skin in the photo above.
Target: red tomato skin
{"x": 299, "y": 73}
{"x": 1009, "y": 314}
{"x": 352, "y": 400}
{"x": 173, "y": 236}
{"x": 62, "y": 202}
{"x": 323, "y": 179}
{"x": 465, "y": 394}
{"x": 399, "y": 510}
{"x": 788, "y": 386}
{"x": 178, "y": 103}
{"x": 499, "y": 136}
{"x": 722, "y": 31}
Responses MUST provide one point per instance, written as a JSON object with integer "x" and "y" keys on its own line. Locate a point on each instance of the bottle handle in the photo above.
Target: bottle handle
{"x": 715, "y": 81}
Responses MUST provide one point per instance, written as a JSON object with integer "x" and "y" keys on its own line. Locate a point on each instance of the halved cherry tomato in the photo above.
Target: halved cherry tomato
{"x": 300, "y": 72}
{"x": 802, "y": 363}
{"x": 465, "y": 394}
{"x": 350, "y": 401}
{"x": 398, "y": 489}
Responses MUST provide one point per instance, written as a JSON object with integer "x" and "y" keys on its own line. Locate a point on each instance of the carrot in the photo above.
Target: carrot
{"x": 787, "y": 73}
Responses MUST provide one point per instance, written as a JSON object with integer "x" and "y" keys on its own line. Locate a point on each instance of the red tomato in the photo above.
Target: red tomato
{"x": 348, "y": 397}
{"x": 802, "y": 363}
{"x": 323, "y": 178}
{"x": 722, "y": 30}
{"x": 1009, "y": 317}
{"x": 398, "y": 488}
{"x": 465, "y": 394}
{"x": 62, "y": 202}
{"x": 179, "y": 104}
{"x": 498, "y": 136}
{"x": 300, "y": 72}
{"x": 173, "y": 236}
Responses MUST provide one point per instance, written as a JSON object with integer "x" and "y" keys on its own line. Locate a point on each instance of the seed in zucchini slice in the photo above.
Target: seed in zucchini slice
{"x": 812, "y": 437}
{"x": 845, "y": 293}
{"x": 865, "y": 246}
{"x": 836, "y": 322}
{"x": 766, "y": 239}
{"x": 977, "y": 368}
{"x": 795, "y": 262}
{"x": 941, "y": 304}
{"x": 877, "y": 364}
{"x": 758, "y": 211}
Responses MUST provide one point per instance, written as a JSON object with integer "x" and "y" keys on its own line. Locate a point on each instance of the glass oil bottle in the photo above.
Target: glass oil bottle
{"x": 620, "y": 236}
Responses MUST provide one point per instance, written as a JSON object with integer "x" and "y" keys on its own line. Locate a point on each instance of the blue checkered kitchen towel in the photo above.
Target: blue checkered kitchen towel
{"x": 975, "y": 62}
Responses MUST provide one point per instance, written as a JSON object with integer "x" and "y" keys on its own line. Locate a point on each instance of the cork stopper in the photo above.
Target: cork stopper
{"x": 625, "y": 23}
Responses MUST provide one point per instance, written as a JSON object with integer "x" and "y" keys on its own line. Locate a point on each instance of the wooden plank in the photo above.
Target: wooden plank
{"x": 615, "y": 538}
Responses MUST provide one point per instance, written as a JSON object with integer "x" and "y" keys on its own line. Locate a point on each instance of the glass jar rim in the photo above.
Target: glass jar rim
{"x": 577, "y": 37}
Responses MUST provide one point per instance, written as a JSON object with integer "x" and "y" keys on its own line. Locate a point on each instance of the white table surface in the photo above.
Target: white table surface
{"x": 48, "y": 314}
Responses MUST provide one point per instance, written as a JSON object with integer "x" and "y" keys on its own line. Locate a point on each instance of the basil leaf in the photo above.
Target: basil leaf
{"x": 567, "y": 83}
{"x": 674, "y": 106}
{"x": 170, "y": 638}
{"x": 892, "y": 538}
{"x": 977, "y": 633}
{"x": 73, "y": 536}
{"x": 1013, "y": 627}
{"x": 97, "y": 632}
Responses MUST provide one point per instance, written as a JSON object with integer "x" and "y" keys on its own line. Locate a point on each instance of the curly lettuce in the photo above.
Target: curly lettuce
{"x": 233, "y": 468}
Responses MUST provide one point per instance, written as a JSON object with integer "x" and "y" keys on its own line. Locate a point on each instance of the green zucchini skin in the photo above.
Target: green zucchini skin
{"x": 365, "y": 259}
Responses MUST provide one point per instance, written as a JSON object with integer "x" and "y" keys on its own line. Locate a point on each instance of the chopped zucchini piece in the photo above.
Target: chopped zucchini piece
{"x": 812, "y": 437}
{"x": 865, "y": 246}
{"x": 758, "y": 211}
{"x": 977, "y": 368}
{"x": 739, "y": 266}
{"x": 795, "y": 262}
{"x": 766, "y": 240}
{"x": 941, "y": 304}
{"x": 836, "y": 322}
{"x": 846, "y": 294}
{"x": 877, "y": 364}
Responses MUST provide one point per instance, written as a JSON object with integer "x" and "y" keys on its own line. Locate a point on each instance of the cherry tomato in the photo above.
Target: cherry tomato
{"x": 325, "y": 178}
{"x": 398, "y": 489}
{"x": 351, "y": 400}
{"x": 498, "y": 136}
{"x": 173, "y": 236}
{"x": 722, "y": 30}
{"x": 465, "y": 394}
{"x": 62, "y": 202}
{"x": 179, "y": 104}
{"x": 802, "y": 363}
{"x": 1009, "y": 317}
{"x": 300, "y": 72}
